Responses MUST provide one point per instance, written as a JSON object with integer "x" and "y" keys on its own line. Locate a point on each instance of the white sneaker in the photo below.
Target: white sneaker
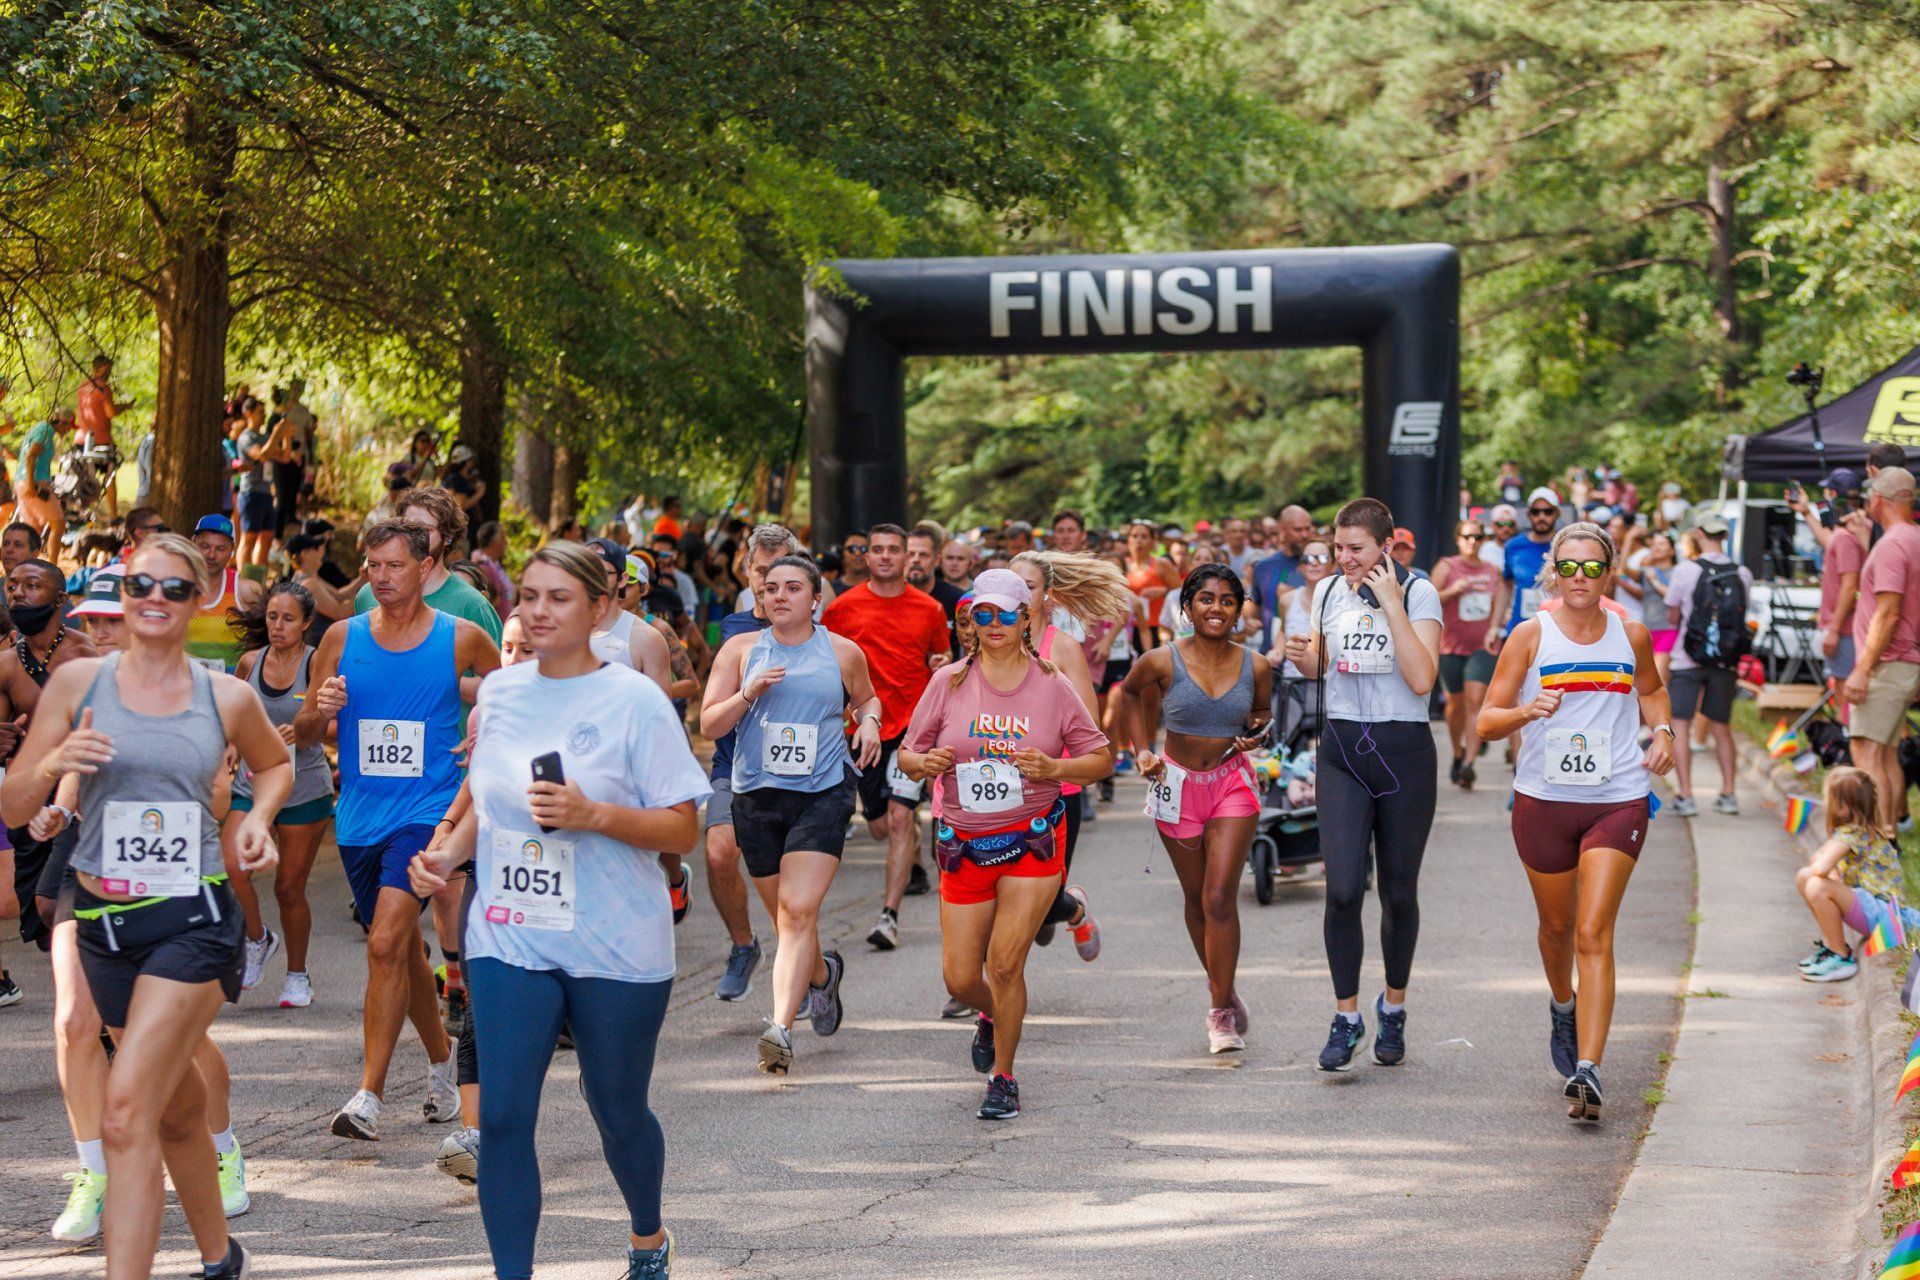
{"x": 443, "y": 1094}
{"x": 1684, "y": 807}
{"x": 258, "y": 953}
{"x": 1726, "y": 804}
{"x": 459, "y": 1156}
{"x": 296, "y": 992}
{"x": 360, "y": 1118}
{"x": 886, "y": 934}
{"x": 233, "y": 1182}
{"x": 80, "y": 1220}
{"x": 776, "y": 1049}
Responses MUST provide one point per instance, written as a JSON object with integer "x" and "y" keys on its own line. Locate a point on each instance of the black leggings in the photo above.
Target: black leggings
{"x": 1065, "y": 905}
{"x": 1361, "y": 806}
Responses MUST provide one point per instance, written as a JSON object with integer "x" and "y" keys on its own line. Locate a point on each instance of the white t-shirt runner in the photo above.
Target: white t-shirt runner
{"x": 1363, "y": 674}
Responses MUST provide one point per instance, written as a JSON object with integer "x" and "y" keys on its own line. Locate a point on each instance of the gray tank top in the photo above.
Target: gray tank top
{"x": 312, "y": 776}
{"x": 1187, "y": 708}
{"x": 156, "y": 760}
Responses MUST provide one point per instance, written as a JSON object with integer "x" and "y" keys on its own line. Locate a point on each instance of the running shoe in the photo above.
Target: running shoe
{"x": 233, "y": 1182}
{"x": 737, "y": 981}
{"x": 360, "y": 1118}
{"x": 565, "y": 1039}
{"x": 1583, "y": 1090}
{"x": 955, "y": 1008}
{"x": 458, "y": 1016}
{"x": 1390, "y": 1041}
{"x": 1344, "y": 1039}
{"x": 1564, "y": 1041}
{"x": 1123, "y": 763}
{"x": 983, "y": 1044}
{"x": 237, "y": 1265}
{"x": 917, "y": 885}
{"x": 296, "y": 992}
{"x": 1241, "y": 1019}
{"x": 1467, "y": 776}
{"x": 459, "y": 1156}
{"x": 1106, "y": 791}
{"x": 1453, "y": 774}
{"x": 1044, "y": 938}
{"x": 1904, "y": 823}
{"x": 1003, "y": 1100}
{"x": 677, "y": 895}
{"x": 1086, "y": 934}
{"x": 258, "y": 953}
{"x": 10, "y": 992}
{"x": 1832, "y": 968}
{"x": 827, "y": 1010}
{"x": 1726, "y": 804}
{"x": 443, "y": 1091}
{"x": 1221, "y": 1037}
{"x": 1820, "y": 952}
{"x": 776, "y": 1050}
{"x": 1684, "y": 807}
{"x": 80, "y": 1220}
{"x": 651, "y": 1264}
{"x": 886, "y": 934}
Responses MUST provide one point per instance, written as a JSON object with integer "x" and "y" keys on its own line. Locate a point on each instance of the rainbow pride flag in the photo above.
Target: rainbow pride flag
{"x": 1910, "y": 1074}
{"x": 1799, "y": 813}
{"x": 1588, "y": 677}
{"x": 1888, "y": 931}
{"x": 1784, "y": 742}
{"x": 1904, "y": 1262}
{"x": 1907, "y": 1172}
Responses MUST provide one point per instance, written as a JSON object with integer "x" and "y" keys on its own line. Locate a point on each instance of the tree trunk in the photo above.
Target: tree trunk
{"x": 569, "y": 473}
{"x": 1726, "y": 293}
{"x": 483, "y": 403}
{"x": 532, "y": 465}
{"x": 194, "y": 307}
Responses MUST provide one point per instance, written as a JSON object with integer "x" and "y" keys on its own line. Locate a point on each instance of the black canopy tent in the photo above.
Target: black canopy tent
{"x": 1884, "y": 407}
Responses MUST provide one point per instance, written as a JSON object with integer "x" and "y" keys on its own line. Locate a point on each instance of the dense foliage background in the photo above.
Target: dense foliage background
{"x": 576, "y": 230}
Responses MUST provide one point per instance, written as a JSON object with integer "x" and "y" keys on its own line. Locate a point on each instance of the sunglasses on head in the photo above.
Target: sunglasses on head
{"x": 984, "y": 617}
{"x": 1592, "y": 568}
{"x": 138, "y": 586}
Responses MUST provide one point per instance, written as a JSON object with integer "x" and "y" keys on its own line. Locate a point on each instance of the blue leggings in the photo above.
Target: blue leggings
{"x": 616, "y": 1025}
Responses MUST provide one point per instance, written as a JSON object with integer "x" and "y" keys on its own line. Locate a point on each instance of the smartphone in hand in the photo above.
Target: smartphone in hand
{"x": 547, "y": 768}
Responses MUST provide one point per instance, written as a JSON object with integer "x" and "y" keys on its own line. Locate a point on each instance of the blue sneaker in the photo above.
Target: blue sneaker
{"x": 1565, "y": 1041}
{"x": 827, "y": 1009}
{"x": 1820, "y": 952}
{"x": 1343, "y": 1041}
{"x": 737, "y": 981}
{"x": 1390, "y": 1041}
{"x": 1583, "y": 1093}
{"x": 1831, "y": 968}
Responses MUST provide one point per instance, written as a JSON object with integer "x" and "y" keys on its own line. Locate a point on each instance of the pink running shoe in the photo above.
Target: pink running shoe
{"x": 1086, "y": 934}
{"x": 1239, "y": 1007}
{"x": 1221, "y": 1037}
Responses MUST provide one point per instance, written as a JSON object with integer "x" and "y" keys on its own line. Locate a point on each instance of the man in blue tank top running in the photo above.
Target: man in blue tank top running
{"x": 390, "y": 681}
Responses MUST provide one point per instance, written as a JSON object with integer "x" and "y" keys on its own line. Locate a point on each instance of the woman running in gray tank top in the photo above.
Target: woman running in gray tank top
{"x": 277, "y": 663}
{"x": 160, "y": 933}
{"x": 1204, "y": 799}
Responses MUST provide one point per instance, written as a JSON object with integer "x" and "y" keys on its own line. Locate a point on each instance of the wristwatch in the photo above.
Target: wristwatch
{"x": 1664, "y": 728}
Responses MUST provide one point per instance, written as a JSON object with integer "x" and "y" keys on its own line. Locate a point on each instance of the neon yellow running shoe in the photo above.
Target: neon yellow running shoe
{"x": 233, "y": 1182}
{"x": 80, "y": 1220}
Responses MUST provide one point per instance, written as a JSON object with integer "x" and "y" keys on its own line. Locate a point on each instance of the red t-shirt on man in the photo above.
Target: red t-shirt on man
{"x": 93, "y": 412}
{"x": 897, "y": 634}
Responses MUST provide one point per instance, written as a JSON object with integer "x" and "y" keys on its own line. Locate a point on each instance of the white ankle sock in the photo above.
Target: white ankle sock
{"x": 1560, "y": 1008}
{"x": 1350, "y": 1017}
{"x": 93, "y": 1155}
{"x": 223, "y": 1141}
{"x": 1388, "y": 1006}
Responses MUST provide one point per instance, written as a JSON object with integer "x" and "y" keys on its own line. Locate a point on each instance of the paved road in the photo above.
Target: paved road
{"x": 1137, "y": 1155}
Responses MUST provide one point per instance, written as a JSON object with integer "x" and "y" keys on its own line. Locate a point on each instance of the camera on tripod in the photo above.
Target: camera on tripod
{"x": 1807, "y": 378}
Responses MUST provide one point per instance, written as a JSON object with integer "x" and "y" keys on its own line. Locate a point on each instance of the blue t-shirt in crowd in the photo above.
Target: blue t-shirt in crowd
{"x": 1525, "y": 557}
{"x": 734, "y": 624}
{"x": 1268, "y": 575}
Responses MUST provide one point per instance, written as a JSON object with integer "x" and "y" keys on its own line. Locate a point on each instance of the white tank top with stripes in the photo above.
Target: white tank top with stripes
{"x": 1588, "y": 751}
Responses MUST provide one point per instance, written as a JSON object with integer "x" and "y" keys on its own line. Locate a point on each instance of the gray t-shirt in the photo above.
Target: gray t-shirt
{"x": 254, "y": 473}
{"x": 1363, "y": 677}
{"x": 1686, "y": 576}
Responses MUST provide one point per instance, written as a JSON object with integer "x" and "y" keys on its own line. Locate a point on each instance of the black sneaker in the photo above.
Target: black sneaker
{"x": 1344, "y": 1039}
{"x": 1583, "y": 1090}
{"x": 1044, "y": 938}
{"x": 10, "y": 992}
{"x": 1390, "y": 1041}
{"x": 459, "y": 1015}
{"x": 1564, "y": 1041}
{"x": 235, "y": 1266}
{"x": 1106, "y": 791}
{"x": 1003, "y": 1099}
{"x": 983, "y": 1044}
{"x": 917, "y": 885}
{"x": 826, "y": 1001}
{"x": 1454, "y": 775}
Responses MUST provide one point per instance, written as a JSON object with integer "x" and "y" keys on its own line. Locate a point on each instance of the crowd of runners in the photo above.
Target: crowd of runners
{"x": 549, "y": 786}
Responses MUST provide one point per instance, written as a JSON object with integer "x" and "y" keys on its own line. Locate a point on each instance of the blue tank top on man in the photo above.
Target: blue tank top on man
{"x": 421, "y": 683}
{"x": 810, "y": 692}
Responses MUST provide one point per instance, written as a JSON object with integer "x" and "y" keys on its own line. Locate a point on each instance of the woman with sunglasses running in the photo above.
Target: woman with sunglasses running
{"x": 1374, "y": 643}
{"x": 1204, "y": 800}
{"x": 784, "y": 693}
{"x": 1577, "y": 682}
{"x": 1467, "y": 585}
{"x": 999, "y": 734}
{"x": 160, "y": 934}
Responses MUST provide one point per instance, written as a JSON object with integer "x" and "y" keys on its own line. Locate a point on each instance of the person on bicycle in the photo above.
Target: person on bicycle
{"x": 94, "y": 411}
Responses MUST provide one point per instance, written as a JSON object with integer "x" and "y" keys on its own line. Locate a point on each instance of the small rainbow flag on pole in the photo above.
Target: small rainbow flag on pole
{"x": 1888, "y": 931}
{"x": 1799, "y": 813}
{"x": 1907, "y": 1172}
{"x": 1910, "y": 1075}
{"x": 1904, "y": 1262}
{"x": 1784, "y": 742}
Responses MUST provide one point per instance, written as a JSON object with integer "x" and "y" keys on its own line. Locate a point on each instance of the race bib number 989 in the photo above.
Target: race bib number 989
{"x": 989, "y": 786}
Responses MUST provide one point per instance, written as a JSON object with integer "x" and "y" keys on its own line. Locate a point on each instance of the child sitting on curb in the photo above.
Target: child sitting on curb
{"x": 1854, "y": 875}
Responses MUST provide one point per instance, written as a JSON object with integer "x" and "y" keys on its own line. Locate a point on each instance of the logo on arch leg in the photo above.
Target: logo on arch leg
{"x": 1416, "y": 428}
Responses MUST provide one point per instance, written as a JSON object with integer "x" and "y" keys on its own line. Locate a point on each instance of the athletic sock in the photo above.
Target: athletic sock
{"x": 1585, "y": 1064}
{"x": 93, "y": 1155}
{"x": 1350, "y": 1017}
{"x": 454, "y": 977}
{"x": 223, "y": 1141}
{"x": 1560, "y": 1008}
{"x": 1388, "y": 1006}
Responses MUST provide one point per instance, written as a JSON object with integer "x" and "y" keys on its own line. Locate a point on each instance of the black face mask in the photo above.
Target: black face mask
{"x": 31, "y": 620}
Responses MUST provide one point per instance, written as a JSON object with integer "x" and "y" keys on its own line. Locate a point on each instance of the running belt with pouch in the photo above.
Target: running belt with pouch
{"x": 996, "y": 848}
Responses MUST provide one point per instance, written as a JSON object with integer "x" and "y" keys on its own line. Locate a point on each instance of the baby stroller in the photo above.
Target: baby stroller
{"x": 1288, "y": 835}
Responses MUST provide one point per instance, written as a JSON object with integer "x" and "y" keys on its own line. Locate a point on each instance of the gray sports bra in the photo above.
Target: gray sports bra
{"x": 1187, "y": 709}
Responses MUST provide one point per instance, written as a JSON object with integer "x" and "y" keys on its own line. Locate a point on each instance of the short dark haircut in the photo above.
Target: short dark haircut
{"x": 1211, "y": 571}
{"x": 139, "y": 514}
{"x": 893, "y": 529}
{"x": 34, "y": 540}
{"x": 52, "y": 570}
{"x": 854, "y": 533}
{"x": 1886, "y": 454}
{"x": 488, "y": 532}
{"x": 928, "y": 531}
{"x": 671, "y": 500}
{"x": 415, "y": 534}
{"x": 1068, "y": 513}
{"x": 1369, "y": 514}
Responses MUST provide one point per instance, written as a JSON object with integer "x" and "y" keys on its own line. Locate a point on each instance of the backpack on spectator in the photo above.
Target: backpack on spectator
{"x": 1716, "y": 634}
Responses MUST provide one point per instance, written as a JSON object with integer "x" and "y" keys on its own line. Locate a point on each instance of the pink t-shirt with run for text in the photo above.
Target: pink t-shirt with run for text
{"x": 1892, "y": 565}
{"x": 978, "y": 722}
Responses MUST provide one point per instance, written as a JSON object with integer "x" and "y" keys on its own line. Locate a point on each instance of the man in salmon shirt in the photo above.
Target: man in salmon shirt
{"x": 94, "y": 412}
{"x": 903, "y": 634}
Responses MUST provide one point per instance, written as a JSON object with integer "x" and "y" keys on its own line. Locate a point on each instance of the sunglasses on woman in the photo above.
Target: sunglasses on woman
{"x": 1567, "y": 568}
{"x": 987, "y": 617}
{"x": 1473, "y": 537}
{"x": 138, "y": 586}
{"x": 1506, "y": 524}
{"x": 1316, "y": 559}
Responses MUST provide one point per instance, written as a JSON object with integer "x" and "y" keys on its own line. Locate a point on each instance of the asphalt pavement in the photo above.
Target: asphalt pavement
{"x": 1137, "y": 1154}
